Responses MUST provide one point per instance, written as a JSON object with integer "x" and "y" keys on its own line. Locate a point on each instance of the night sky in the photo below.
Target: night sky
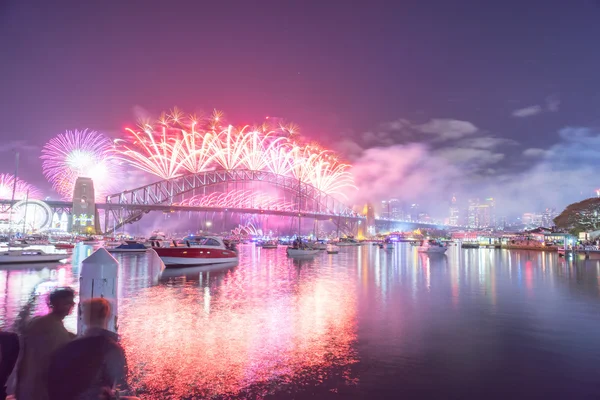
{"x": 475, "y": 97}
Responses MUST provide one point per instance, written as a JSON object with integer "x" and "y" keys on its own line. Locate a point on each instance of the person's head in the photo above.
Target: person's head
{"x": 61, "y": 301}
{"x": 96, "y": 312}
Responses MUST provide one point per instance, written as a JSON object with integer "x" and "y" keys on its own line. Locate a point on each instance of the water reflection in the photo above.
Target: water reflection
{"x": 242, "y": 329}
{"x": 365, "y": 322}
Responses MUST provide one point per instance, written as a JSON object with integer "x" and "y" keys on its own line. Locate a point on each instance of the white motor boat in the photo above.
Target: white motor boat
{"x": 204, "y": 250}
{"x": 432, "y": 247}
{"x": 29, "y": 256}
{"x": 332, "y": 249}
{"x": 297, "y": 252}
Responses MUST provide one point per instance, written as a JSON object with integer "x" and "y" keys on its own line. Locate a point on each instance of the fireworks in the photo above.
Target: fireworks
{"x": 177, "y": 144}
{"x": 76, "y": 154}
{"x": 240, "y": 199}
{"x": 23, "y": 189}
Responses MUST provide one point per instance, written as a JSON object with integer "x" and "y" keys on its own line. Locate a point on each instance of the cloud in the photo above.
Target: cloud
{"x": 448, "y": 129}
{"x": 405, "y": 171}
{"x": 486, "y": 142}
{"x": 469, "y": 157}
{"x": 528, "y": 111}
{"x": 535, "y": 152}
{"x": 473, "y": 167}
{"x": 18, "y": 145}
{"x": 552, "y": 104}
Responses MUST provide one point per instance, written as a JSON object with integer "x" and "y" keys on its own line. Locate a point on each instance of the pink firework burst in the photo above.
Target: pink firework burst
{"x": 23, "y": 189}
{"x": 177, "y": 144}
{"x": 75, "y": 154}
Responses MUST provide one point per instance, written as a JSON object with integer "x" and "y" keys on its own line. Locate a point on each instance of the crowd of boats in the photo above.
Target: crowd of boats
{"x": 192, "y": 250}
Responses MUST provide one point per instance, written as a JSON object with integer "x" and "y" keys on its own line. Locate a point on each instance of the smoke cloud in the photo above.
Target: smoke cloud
{"x": 520, "y": 179}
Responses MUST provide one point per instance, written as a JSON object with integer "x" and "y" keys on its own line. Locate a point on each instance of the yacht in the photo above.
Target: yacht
{"x": 432, "y": 247}
{"x": 270, "y": 244}
{"x": 204, "y": 250}
{"x": 332, "y": 249}
{"x": 348, "y": 241}
{"x": 130, "y": 246}
{"x": 29, "y": 256}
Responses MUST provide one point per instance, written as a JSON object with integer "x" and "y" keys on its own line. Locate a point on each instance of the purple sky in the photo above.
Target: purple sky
{"x": 487, "y": 86}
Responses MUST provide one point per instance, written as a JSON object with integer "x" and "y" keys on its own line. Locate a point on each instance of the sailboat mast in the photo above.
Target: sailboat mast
{"x": 299, "y": 201}
{"x": 12, "y": 199}
{"x": 25, "y": 213}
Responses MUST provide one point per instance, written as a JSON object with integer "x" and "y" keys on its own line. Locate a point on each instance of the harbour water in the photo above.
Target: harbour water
{"x": 365, "y": 323}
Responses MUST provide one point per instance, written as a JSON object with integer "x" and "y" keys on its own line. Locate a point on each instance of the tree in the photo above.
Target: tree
{"x": 583, "y": 216}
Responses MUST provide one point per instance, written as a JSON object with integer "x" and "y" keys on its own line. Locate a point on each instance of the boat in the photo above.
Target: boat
{"x": 18, "y": 243}
{"x": 318, "y": 245}
{"x": 348, "y": 241}
{"x": 29, "y": 256}
{"x": 389, "y": 246}
{"x": 332, "y": 249}
{"x": 432, "y": 247}
{"x": 270, "y": 244}
{"x": 206, "y": 250}
{"x": 301, "y": 252}
{"x": 64, "y": 246}
{"x": 128, "y": 247}
{"x": 469, "y": 245}
{"x": 298, "y": 248}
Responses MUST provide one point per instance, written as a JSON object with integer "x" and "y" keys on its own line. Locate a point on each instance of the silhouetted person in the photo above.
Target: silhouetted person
{"x": 41, "y": 338}
{"x": 9, "y": 352}
{"x": 91, "y": 366}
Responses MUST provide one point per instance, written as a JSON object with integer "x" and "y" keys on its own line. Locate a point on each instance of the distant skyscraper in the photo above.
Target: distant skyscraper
{"x": 385, "y": 209}
{"x": 548, "y": 217}
{"x": 413, "y": 213}
{"x": 472, "y": 221}
{"x": 395, "y": 209}
{"x": 482, "y": 214}
{"x": 454, "y": 212}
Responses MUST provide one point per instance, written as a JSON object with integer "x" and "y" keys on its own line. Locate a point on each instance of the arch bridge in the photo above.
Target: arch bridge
{"x": 168, "y": 195}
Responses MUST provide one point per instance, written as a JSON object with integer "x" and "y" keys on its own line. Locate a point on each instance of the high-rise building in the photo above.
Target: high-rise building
{"x": 548, "y": 217}
{"x": 472, "y": 221}
{"x": 391, "y": 209}
{"x": 395, "y": 209}
{"x": 413, "y": 213}
{"x": 385, "y": 209}
{"x": 481, "y": 214}
{"x": 84, "y": 206}
{"x": 454, "y": 212}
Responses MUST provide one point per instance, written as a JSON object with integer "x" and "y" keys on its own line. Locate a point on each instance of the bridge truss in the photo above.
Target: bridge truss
{"x": 131, "y": 205}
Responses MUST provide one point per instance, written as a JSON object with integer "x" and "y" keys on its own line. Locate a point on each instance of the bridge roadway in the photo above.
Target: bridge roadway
{"x": 65, "y": 206}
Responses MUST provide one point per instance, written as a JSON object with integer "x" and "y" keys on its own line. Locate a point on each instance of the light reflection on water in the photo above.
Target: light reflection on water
{"x": 365, "y": 322}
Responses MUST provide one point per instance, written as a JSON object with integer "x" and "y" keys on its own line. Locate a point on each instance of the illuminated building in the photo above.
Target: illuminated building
{"x": 472, "y": 213}
{"x": 482, "y": 214}
{"x": 454, "y": 212}
{"x": 548, "y": 217}
{"x": 84, "y": 206}
{"x": 391, "y": 209}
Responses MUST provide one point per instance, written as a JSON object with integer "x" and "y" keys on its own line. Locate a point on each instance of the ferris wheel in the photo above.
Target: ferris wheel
{"x": 32, "y": 215}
